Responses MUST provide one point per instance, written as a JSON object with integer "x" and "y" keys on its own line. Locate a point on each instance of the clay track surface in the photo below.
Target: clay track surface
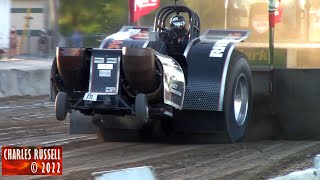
{"x": 30, "y": 121}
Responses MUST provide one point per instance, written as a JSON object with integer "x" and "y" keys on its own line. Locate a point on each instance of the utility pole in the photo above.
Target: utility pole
{"x": 307, "y": 12}
{"x": 54, "y": 18}
{"x": 271, "y": 10}
{"x": 28, "y": 18}
{"x": 226, "y": 4}
{"x": 129, "y": 11}
{"x": 25, "y": 33}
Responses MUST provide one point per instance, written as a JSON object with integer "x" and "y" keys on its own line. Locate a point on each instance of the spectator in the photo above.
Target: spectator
{"x": 43, "y": 44}
{"x": 61, "y": 41}
{"x": 13, "y": 43}
{"x": 76, "y": 39}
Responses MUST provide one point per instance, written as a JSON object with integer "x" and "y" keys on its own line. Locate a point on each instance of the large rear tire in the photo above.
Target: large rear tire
{"x": 237, "y": 98}
{"x": 61, "y": 106}
{"x": 53, "y": 89}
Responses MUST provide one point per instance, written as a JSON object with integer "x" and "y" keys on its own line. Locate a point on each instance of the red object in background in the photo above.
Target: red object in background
{"x": 31, "y": 160}
{"x": 139, "y": 8}
{"x": 278, "y": 14}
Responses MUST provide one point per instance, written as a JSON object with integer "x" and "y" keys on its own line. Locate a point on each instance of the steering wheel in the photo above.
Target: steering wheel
{"x": 169, "y": 36}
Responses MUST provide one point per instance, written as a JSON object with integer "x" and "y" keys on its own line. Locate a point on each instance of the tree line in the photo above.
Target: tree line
{"x": 108, "y": 16}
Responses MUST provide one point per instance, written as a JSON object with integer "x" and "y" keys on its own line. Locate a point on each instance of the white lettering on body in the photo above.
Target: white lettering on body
{"x": 219, "y": 48}
{"x": 144, "y": 3}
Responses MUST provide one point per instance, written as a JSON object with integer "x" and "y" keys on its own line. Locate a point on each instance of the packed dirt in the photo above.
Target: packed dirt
{"x": 31, "y": 121}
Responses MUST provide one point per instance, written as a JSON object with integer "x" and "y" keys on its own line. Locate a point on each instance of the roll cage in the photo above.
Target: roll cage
{"x": 163, "y": 14}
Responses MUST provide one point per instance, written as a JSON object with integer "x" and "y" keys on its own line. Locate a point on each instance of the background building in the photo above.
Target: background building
{"x": 29, "y": 18}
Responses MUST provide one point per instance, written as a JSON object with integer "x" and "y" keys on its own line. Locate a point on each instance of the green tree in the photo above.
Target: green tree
{"x": 95, "y": 16}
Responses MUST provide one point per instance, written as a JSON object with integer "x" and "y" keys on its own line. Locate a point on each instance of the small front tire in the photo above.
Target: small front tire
{"x": 61, "y": 106}
{"x": 141, "y": 108}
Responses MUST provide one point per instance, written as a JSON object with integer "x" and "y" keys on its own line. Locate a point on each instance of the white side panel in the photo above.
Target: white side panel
{"x": 173, "y": 81}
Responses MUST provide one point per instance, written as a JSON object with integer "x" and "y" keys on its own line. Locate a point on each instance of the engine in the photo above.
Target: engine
{"x": 140, "y": 67}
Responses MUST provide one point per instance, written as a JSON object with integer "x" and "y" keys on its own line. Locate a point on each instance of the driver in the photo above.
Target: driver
{"x": 178, "y": 26}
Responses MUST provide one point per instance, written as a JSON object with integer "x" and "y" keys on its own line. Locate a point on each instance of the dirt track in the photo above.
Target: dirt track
{"x": 30, "y": 121}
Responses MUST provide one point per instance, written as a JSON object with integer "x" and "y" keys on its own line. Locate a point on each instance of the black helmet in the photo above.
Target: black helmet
{"x": 177, "y": 21}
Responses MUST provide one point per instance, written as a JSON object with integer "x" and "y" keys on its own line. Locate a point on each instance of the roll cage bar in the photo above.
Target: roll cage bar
{"x": 163, "y": 14}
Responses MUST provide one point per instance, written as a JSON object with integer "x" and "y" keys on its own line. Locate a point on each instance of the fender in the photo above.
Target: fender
{"x": 208, "y": 59}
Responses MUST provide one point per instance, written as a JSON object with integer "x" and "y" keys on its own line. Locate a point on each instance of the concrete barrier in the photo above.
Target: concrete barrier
{"x": 308, "y": 174}
{"x": 25, "y": 77}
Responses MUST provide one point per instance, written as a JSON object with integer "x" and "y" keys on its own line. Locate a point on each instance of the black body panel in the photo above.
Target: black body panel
{"x": 104, "y": 71}
{"x": 204, "y": 77}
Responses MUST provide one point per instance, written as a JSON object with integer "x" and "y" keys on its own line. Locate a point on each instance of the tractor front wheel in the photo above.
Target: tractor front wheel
{"x": 61, "y": 106}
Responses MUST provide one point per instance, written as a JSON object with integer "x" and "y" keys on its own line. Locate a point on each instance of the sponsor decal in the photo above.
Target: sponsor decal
{"x": 115, "y": 44}
{"x": 112, "y": 60}
{"x": 173, "y": 81}
{"x": 232, "y": 35}
{"x": 235, "y": 34}
{"x": 90, "y": 97}
{"x": 105, "y": 66}
{"x": 174, "y": 86}
{"x": 142, "y": 35}
{"x": 110, "y": 89}
{"x": 139, "y": 8}
{"x": 219, "y": 48}
{"x": 104, "y": 73}
{"x": 174, "y": 90}
{"x": 98, "y": 60}
{"x": 134, "y": 31}
{"x": 260, "y": 23}
{"x": 144, "y": 3}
